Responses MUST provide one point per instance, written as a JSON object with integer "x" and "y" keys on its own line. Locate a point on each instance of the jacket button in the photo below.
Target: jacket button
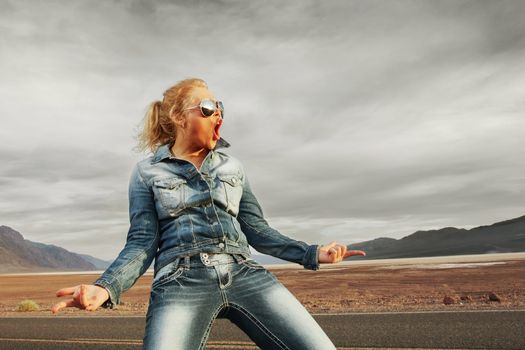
{"x": 221, "y": 245}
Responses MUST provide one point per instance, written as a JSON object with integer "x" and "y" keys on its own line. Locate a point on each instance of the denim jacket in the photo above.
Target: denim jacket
{"x": 176, "y": 209}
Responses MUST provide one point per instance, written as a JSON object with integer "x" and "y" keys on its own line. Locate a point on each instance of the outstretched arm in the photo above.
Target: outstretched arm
{"x": 268, "y": 240}
{"x": 141, "y": 244}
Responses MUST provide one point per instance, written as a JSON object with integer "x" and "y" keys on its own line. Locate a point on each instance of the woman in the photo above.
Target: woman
{"x": 192, "y": 209}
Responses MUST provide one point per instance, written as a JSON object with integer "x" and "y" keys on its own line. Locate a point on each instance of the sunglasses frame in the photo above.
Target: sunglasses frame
{"x": 218, "y": 105}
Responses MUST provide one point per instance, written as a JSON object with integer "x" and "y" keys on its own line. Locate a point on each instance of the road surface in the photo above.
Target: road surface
{"x": 389, "y": 330}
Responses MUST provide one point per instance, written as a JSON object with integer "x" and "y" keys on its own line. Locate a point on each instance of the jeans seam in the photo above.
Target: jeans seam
{"x": 194, "y": 239}
{"x": 208, "y": 328}
{"x": 272, "y": 336}
{"x": 225, "y": 193}
{"x": 123, "y": 269}
{"x": 169, "y": 277}
{"x": 263, "y": 232}
{"x": 256, "y": 266}
{"x": 128, "y": 265}
{"x": 235, "y": 229}
{"x": 248, "y": 224}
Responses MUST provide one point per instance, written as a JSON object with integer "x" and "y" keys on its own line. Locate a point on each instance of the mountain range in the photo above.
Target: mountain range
{"x": 21, "y": 255}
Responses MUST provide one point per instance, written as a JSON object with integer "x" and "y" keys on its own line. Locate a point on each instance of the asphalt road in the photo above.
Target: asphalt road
{"x": 428, "y": 330}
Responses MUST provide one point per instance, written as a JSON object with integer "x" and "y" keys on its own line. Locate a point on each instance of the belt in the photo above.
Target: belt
{"x": 210, "y": 259}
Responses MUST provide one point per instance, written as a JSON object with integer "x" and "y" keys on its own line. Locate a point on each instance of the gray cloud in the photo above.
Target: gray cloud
{"x": 353, "y": 119}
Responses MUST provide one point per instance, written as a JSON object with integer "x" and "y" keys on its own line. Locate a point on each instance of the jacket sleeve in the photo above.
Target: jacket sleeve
{"x": 268, "y": 240}
{"x": 141, "y": 243}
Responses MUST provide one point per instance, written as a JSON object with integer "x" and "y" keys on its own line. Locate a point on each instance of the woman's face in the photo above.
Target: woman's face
{"x": 203, "y": 131}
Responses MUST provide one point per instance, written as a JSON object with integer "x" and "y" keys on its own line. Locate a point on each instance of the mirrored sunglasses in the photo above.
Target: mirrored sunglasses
{"x": 209, "y": 107}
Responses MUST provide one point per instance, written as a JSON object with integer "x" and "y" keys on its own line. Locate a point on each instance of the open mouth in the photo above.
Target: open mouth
{"x": 216, "y": 133}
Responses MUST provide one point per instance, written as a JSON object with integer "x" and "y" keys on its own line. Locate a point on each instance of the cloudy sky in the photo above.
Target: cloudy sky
{"x": 354, "y": 119}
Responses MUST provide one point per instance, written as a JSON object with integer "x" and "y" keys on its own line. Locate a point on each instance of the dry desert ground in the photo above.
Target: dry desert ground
{"x": 414, "y": 284}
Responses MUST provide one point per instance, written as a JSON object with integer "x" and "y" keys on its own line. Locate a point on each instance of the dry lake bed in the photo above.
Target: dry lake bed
{"x": 470, "y": 282}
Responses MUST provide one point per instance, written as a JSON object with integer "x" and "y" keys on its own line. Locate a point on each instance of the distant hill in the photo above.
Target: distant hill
{"x": 502, "y": 237}
{"x": 99, "y": 263}
{"x": 21, "y": 255}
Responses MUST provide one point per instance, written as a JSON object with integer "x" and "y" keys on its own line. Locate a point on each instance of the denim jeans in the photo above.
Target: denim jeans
{"x": 191, "y": 291}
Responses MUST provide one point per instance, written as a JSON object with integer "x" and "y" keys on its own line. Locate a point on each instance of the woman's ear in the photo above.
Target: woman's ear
{"x": 179, "y": 121}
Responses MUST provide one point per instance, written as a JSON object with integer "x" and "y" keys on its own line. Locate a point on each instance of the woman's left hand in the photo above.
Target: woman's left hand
{"x": 334, "y": 252}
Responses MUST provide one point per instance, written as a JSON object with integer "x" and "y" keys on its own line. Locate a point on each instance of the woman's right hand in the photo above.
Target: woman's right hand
{"x": 85, "y": 296}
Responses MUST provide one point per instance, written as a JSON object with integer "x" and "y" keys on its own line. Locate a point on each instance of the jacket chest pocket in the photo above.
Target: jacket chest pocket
{"x": 171, "y": 194}
{"x": 231, "y": 186}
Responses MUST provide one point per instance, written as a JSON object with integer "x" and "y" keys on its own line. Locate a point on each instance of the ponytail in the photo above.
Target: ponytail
{"x": 158, "y": 127}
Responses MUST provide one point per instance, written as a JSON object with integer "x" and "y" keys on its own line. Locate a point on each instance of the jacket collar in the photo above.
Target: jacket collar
{"x": 163, "y": 151}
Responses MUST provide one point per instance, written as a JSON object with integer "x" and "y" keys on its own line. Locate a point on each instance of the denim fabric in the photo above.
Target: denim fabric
{"x": 190, "y": 292}
{"x": 176, "y": 209}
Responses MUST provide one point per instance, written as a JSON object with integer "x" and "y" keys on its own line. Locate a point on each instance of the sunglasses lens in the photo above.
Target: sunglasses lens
{"x": 221, "y": 107}
{"x": 207, "y": 108}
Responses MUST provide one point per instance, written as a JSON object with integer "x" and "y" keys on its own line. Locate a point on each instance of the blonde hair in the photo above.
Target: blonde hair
{"x": 158, "y": 126}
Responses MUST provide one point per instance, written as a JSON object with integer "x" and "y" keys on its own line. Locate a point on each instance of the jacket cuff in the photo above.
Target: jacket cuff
{"x": 113, "y": 295}
{"x": 311, "y": 257}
